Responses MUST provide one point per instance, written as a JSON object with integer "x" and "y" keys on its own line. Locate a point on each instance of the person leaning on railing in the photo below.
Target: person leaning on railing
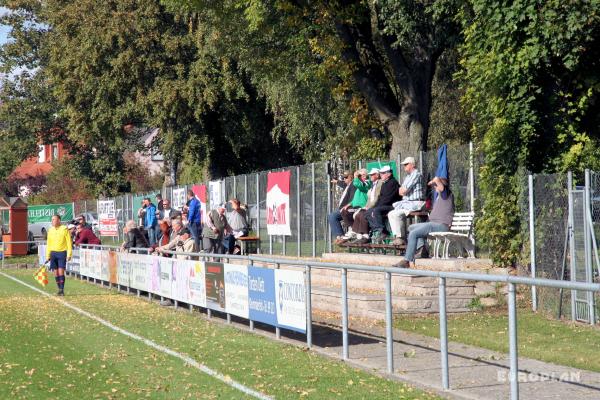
{"x": 176, "y": 227}
{"x": 440, "y": 220}
{"x": 134, "y": 238}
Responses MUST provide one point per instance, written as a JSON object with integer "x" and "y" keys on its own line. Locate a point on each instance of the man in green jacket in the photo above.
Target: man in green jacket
{"x": 363, "y": 182}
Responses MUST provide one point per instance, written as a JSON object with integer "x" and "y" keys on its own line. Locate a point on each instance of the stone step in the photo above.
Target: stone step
{"x": 373, "y": 305}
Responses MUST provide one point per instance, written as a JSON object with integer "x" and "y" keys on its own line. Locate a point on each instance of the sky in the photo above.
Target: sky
{"x": 3, "y": 29}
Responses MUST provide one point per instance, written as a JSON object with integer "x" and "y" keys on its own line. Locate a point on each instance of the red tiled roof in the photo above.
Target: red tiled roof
{"x": 31, "y": 168}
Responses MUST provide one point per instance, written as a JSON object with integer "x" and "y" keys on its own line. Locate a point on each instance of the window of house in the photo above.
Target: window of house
{"x": 42, "y": 154}
{"x": 54, "y": 152}
{"x": 156, "y": 155}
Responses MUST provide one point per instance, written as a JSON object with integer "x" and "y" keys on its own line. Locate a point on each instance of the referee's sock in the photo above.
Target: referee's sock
{"x": 60, "y": 282}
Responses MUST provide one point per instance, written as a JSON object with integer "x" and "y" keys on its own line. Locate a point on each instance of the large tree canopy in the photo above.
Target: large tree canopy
{"x": 532, "y": 81}
{"x": 341, "y": 56}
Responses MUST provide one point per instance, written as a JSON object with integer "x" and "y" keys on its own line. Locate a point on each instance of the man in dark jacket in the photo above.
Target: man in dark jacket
{"x": 134, "y": 238}
{"x": 388, "y": 196}
{"x": 347, "y": 195}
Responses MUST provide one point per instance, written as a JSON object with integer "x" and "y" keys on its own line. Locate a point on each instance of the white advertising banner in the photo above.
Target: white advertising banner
{"x": 153, "y": 274}
{"x": 290, "y": 299}
{"x": 166, "y": 273}
{"x": 215, "y": 195}
{"x": 140, "y": 265}
{"x": 236, "y": 290}
{"x": 124, "y": 267}
{"x": 180, "y": 280}
{"x": 197, "y": 282}
{"x": 178, "y": 200}
{"x": 107, "y": 218}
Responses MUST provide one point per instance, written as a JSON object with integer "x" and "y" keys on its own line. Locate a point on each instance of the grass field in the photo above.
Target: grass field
{"x": 48, "y": 351}
{"x": 540, "y": 338}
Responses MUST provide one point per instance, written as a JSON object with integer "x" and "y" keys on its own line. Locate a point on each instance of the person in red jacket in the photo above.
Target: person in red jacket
{"x": 85, "y": 236}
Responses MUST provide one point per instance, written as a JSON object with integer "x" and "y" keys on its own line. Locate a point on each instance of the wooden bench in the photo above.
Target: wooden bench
{"x": 248, "y": 244}
{"x": 375, "y": 248}
{"x": 461, "y": 234}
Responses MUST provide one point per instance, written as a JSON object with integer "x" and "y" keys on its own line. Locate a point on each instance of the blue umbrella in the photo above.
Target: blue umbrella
{"x": 442, "y": 168}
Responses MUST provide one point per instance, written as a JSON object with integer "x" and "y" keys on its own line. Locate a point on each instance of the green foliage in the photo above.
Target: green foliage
{"x": 531, "y": 82}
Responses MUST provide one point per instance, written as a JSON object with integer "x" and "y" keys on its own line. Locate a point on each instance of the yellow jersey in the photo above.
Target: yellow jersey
{"x": 59, "y": 239}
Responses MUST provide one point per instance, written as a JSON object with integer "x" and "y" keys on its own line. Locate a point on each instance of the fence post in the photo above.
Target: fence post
{"x": 588, "y": 247}
{"x": 472, "y": 176}
{"x": 571, "y": 242}
{"x": 389, "y": 331}
{"x": 532, "y": 240}
{"x": 299, "y": 251}
{"x": 234, "y": 188}
{"x": 328, "y": 186}
{"x": 398, "y": 167}
{"x": 421, "y": 161}
{"x": 245, "y": 189}
{"x": 344, "y": 313}
{"x": 314, "y": 225}
{"x": 443, "y": 333}
{"x": 512, "y": 341}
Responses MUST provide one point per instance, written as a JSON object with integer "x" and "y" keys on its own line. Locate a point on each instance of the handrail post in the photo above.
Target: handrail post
{"x": 389, "y": 332}
{"x": 308, "y": 307}
{"x": 512, "y": 341}
{"x": 277, "y": 328}
{"x": 443, "y": 333}
{"x": 344, "y": 313}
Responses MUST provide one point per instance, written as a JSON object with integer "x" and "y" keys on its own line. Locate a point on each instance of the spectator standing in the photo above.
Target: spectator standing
{"x": 141, "y": 214}
{"x": 159, "y": 202}
{"x": 134, "y": 238}
{"x": 167, "y": 213}
{"x": 440, "y": 220}
{"x": 81, "y": 221}
{"x": 194, "y": 217}
{"x": 215, "y": 228}
{"x": 150, "y": 221}
{"x": 412, "y": 194}
{"x": 58, "y": 250}
{"x": 85, "y": 236}
{"x": 347, "y": 195}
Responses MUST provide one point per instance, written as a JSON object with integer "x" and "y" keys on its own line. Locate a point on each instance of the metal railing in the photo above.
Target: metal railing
{"x": 442, "y": 276}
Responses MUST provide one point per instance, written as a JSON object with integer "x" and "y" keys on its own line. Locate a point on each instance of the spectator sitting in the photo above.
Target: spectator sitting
{"x": 164, "y": 233}
{"x": 215, "y": 228}
{"x": 72, "y": 231}
{"x": 346, "y": 198}
{"x": 185, "y": 244}
{"x": 440, "y": 220}
{"x": 388, "y": 195}
{"x": 85, "y": 236}
{"x": 360, "y": 226}
{"x": 176, "y": 227}
{"x": 359, "y": 200}
{"x": 411, "y": 191}
{"x": 167, "y": 213}
{"x": 239, "y": 225}
{"x": 134, "y": 237}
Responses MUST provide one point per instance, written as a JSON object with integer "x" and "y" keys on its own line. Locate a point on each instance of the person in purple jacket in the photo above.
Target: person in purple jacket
{"x": 85, "y": 235}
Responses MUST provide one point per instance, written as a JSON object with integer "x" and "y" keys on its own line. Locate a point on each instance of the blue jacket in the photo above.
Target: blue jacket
{"x": 151, "y": 220}
{"x": 194, "y": 211}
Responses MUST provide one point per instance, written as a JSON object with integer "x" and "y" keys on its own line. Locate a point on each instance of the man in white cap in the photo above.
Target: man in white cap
{"x": 412, "y": 194}
{"x": 360, "y": 226}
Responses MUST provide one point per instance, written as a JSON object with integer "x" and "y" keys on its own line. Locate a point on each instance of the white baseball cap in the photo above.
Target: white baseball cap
{"x": 385, "y": 168}
{"x": 409, "y": 160}
{"x": 373, "y": 171}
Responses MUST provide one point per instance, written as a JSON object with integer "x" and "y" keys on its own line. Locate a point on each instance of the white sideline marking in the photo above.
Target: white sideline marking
{"x": 188, "y": 360}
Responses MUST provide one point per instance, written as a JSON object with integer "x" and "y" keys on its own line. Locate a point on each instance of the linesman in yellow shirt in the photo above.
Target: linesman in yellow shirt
{"x": 58, "y": 251}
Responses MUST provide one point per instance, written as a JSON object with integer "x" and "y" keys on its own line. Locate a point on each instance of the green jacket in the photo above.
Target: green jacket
{"x": 360, "y": 195}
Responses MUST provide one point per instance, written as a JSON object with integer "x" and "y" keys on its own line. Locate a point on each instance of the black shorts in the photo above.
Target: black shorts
{"x": 58, "y": 259}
